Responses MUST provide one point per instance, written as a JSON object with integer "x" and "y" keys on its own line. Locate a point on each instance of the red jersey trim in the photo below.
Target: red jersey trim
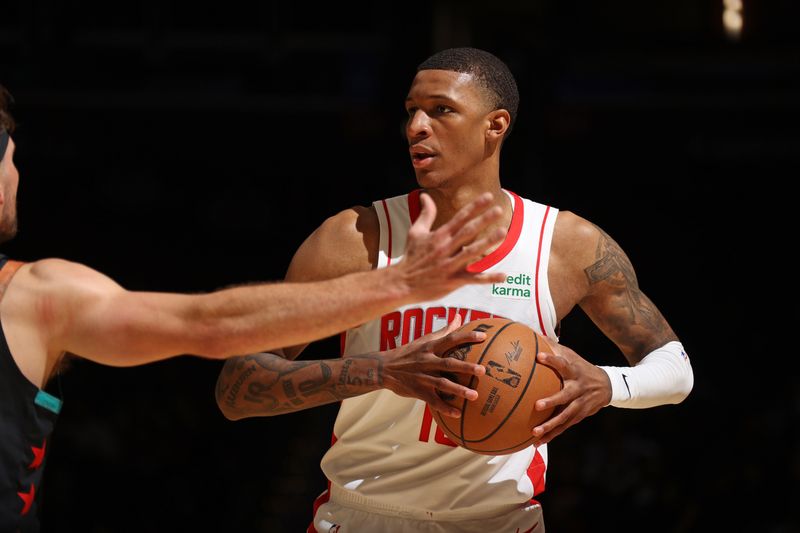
{"x": 536, "y": 472}
{"x": 389, "y": 230}
{"x": 536, "y": 275}
{"x": 413, "y": 204}
{"x": 514, "y": 231}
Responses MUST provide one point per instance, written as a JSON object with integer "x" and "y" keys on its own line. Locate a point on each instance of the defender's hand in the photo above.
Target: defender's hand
{"x": 435, "y": 262}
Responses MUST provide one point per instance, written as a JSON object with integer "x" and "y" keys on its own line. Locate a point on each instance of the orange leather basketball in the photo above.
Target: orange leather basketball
{"x": 500, "y": 420}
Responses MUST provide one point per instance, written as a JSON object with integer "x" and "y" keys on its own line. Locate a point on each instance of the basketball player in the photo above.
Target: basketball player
{"x": 390, "y": 469}
{"x": 50, "y": 308}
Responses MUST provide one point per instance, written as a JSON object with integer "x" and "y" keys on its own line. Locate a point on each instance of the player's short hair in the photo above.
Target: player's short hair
{"x": 6, "y": 120}
{"x": 488, "y": 70}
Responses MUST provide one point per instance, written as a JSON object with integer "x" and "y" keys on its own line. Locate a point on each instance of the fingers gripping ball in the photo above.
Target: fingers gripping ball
{"x": 500, "y": 421}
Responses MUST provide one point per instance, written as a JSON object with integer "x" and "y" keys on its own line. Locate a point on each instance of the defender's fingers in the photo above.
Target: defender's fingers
{"x": 469, "y": 214}
{"x": 494, "y": 277}
{"x": 427, "y": 213}
{"x": 471, "y": 252}
{"x": 464, "y": 257}
{"x": 468, "y": 231}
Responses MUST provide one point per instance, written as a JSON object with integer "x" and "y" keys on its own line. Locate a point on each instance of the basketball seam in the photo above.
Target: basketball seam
{"x": 471, "y": 381}
{"x": 519, "y": 399}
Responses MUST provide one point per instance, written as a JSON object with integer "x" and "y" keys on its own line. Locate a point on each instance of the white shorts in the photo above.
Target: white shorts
{"x": 332, "y": 517}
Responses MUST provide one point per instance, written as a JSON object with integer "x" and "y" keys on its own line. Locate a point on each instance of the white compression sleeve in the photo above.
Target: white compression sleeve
{"x": 663, "y": 376}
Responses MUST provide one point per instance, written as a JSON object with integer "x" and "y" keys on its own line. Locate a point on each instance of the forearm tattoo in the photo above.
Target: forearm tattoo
{"x": 275, "y": 385}
{"x": 613, "y": 267}
{"x": 227, "y": 390}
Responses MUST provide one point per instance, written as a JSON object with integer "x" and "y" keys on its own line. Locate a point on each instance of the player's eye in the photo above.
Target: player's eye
{"x": 443, "y": 109}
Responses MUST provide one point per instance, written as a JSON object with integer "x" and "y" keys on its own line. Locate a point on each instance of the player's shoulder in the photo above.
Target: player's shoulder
{"x": 54, "y": 273}
{"x": 575, "y": 238}
{"x": 345, "y": 242}
{"x": 54, "y": 269}
{"x": 350, "y": 224}
{"x": 48, "y": 290}
{"x": 571, "y": 227}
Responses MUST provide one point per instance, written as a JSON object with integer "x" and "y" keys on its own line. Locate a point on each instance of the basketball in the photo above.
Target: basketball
{"x": 500, "y": 421}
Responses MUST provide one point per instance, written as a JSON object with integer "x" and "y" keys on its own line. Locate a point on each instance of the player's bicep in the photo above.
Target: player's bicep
{"x": 100, "y": 320}
{"x": 128, "y": 328}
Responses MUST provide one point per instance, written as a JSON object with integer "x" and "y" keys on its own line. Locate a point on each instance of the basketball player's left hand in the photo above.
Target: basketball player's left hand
{"x": 586, "y": 391}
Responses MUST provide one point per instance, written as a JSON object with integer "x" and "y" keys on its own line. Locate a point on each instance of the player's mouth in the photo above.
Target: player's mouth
{"x": 421, "y": 156}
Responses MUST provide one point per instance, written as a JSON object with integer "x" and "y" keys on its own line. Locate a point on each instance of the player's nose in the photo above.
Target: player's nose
{"x": 418, "y": 125}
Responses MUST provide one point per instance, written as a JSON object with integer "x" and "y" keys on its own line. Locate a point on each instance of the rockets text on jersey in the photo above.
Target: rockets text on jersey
{"x": 398, "y": 328}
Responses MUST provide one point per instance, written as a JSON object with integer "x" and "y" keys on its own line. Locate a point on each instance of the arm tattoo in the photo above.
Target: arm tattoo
{"x": 228, "y": 390}
{"x": 312, "y": 386}
{"x": 281, "y": 386}
{"x": 611, "y": 262}
{"x": 344, "y": 378}
{"x": 613, "y": 267}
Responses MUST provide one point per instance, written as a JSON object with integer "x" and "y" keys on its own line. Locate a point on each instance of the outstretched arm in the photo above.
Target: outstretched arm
{"x": 86, "y": 313}
{"x": 267, "y": 384}
{"x": 610, "y": 295}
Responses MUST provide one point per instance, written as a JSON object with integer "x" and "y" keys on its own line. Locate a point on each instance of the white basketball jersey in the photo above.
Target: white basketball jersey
{"x": 387, "y": 451}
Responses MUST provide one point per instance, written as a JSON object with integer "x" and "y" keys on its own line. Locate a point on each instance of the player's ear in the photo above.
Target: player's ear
{"x": 499, "y": 121}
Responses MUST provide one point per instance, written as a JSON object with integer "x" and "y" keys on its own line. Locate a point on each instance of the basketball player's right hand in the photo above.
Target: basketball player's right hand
{"x": 435, "y": 262}
{"x": 417, "y": 369}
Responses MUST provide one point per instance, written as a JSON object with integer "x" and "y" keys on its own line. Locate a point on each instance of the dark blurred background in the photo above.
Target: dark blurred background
{"x": 185, "y": 146}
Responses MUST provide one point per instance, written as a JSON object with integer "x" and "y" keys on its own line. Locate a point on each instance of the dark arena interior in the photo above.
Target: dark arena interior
{"x": 185, "y": 147}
